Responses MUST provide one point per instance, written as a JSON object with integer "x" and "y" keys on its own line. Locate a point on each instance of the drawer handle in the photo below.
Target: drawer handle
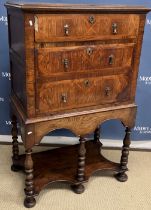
{"x": 66, "y": 63}
{"x": 111, "y": 59}
{"x": 64, "y": 98}
{"x": 66, "y": 30}
{"x": 91, "y": 19}
{"x": 89, "y": 51}
{"x": 114, "y": 28}
{"x": 107, "y": 91}
{"x": 87, "y": 83}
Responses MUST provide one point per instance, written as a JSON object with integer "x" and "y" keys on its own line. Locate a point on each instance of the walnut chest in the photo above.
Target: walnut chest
{"x": 73, "y": 67}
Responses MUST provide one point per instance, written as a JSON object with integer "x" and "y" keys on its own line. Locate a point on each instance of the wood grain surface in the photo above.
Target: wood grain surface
{"x": 61, "y": 60}
{"x": 60, "y": 162}
{"x": 66, "y": 6}
{"x": 71, "y": 94}
{"x": 51, "y": 27}
{"x": 72, "y": 67}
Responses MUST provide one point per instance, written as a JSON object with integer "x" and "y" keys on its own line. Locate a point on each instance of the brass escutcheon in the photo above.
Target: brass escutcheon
{"x": 91, "y": 19}
{"x": 89, "y": 51}
{"x": 87, "y": 83}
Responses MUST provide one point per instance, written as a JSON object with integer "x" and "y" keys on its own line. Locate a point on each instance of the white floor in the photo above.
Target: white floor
{"x": 72, "y": 140}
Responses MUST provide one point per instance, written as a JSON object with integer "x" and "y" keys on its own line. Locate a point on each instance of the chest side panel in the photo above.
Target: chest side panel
{"x": 17, "y": 55}
{"x": 30, "y": 64}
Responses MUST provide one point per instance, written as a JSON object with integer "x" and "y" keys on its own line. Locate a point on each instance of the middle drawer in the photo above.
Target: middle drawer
{"x": 63, "y": 60}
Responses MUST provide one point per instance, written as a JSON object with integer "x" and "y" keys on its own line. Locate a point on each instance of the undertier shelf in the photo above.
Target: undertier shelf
{"x": 61, "y": 164}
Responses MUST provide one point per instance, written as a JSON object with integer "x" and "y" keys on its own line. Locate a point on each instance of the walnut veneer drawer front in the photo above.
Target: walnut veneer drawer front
{"x": 81, "y": 58}
{"x": 71, "y": 27}
{"x": 69, "y": 94}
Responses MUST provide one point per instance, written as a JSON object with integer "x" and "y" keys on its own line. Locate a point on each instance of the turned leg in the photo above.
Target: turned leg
{"x": 79, "y": 188}
{"x": 15, "y": 148}
{"x": 122, "y": 176}
{"x": 29, "y": 184}
{"x": 97, "y": 136}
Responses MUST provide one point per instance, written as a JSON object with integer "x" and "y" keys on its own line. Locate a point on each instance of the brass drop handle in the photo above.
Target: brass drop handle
{"x": 66, "y": 64}
{"x": 66, "y": 30}
{"x": 107, "y": 91}
{"x": 111, "y": 59}
{"x": 114, "y": 28}
{"x": 64, "y": 98}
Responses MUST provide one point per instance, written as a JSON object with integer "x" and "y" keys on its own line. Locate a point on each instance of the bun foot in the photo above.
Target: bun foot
{"x": 78, "y": 188}
{"x": 29, "y": 202}
{"x": 122, "y": 177}
{"x": 15, "y": 168}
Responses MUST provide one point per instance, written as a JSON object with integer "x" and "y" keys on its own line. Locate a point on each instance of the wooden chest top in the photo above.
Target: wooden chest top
{"x": 49, "y": 6}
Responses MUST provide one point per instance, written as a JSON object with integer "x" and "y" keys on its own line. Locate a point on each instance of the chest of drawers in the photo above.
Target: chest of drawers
{"x": 73, "y": 67}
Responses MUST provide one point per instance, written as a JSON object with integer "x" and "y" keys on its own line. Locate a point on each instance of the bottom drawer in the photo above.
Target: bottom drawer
{"x": 70, "y": 94}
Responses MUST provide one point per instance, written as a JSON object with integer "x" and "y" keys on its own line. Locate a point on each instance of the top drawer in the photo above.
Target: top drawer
{"x": 75, "y": 27}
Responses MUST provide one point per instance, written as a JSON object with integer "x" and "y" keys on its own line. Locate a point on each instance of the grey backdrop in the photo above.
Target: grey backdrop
{"x": 110, "y": 129}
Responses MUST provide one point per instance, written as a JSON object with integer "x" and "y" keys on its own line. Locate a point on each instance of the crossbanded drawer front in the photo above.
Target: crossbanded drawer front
{"x": 65, "y": 95}
{"x": 63, "y": 60}
{"x": 72, "y": 27}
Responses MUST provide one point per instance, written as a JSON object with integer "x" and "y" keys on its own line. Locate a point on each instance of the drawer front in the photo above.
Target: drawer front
{"x": 72, "y": 27}
{"x": 82, "y": 58}
{"x": 66, "y": 95}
